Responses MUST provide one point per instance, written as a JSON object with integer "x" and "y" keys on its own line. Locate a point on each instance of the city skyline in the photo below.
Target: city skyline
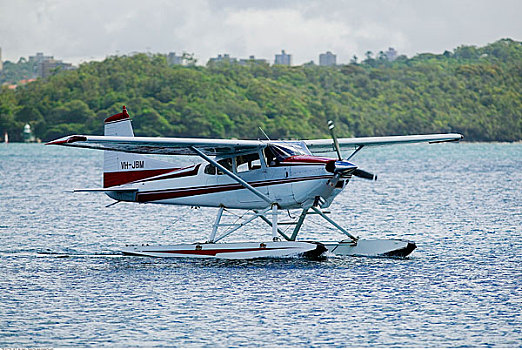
{"x": 83, "y": 31}
{"x": 173, "y": 58}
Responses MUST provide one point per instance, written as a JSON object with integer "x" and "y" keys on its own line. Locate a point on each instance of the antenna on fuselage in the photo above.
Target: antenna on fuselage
{"x": 268, "y": 138}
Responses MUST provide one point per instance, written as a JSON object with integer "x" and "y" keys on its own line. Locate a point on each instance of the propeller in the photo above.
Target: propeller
{"x": 331, "y": 127}
{"x": 357, "y": 172}
{"x": 364, "y": 174}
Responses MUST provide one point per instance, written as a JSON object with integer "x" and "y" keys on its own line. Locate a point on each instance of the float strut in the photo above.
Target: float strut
{"x": 264, "y": 218}
{"x": 318, "y": 211}
{"x": 216, "y": 225}
{"x": 299, "y": 224}
{"x": 274, "y": 223}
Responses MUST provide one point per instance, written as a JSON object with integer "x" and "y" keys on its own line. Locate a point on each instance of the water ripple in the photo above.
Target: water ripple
{"x": 63, "y": 282}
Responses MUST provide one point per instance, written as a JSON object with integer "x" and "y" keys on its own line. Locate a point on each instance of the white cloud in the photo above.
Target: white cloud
{"x": 266, "y": 32}
{"x": 87, "y": 29}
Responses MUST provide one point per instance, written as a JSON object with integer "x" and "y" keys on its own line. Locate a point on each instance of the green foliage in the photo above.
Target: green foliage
{"x": 14, "y": 72}
{"x": 475, "y": 91}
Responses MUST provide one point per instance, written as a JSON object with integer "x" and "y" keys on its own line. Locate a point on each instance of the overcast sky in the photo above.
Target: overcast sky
{"x": 77, "y": 31}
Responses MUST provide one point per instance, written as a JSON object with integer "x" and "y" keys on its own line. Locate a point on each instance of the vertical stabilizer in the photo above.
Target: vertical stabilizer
{"x": 121, "y": 168}
{"x": 119, "y": 125}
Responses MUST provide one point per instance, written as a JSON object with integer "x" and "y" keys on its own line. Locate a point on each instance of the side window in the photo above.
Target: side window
{"x": 226, "y": 163}
{"x": 248, "y": 162}
{"x": 210, "y": 169}
{"x": 255, "y": 163}
{"x": 242, "y": 164}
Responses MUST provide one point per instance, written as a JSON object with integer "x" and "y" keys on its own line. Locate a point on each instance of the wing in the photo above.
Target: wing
{"x": 326, "y": 145}
{"x": 160, "y": 145}
{"x": 222, "y": 147}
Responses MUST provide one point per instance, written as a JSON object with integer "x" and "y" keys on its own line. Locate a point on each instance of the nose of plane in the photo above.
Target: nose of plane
{"x": 345, "y": 168}
{"x": 340, "y": 166}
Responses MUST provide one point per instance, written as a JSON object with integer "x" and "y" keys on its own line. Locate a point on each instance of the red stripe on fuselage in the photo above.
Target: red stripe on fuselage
{"x": 124, "y": 177}
{"x": 195, "y": 191}
{"x": 304, "y": 159}
{"x": 176, "y": 174}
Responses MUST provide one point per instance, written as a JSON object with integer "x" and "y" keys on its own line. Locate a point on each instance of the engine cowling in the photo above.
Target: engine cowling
{"x": 340, "y": 167}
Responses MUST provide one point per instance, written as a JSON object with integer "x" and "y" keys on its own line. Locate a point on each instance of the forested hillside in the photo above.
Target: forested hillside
{"x": 474, "y": 91}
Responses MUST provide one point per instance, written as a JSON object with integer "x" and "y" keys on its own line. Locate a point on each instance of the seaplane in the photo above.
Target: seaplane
{"x": 262, "y": 178}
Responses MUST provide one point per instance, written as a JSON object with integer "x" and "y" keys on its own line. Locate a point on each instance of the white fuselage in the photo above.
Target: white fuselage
{"x": 281, "y": 172}
{"x": 290, "y": 186}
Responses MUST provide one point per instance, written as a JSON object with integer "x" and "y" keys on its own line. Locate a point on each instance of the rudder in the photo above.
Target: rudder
{"x": 120, "y": 168}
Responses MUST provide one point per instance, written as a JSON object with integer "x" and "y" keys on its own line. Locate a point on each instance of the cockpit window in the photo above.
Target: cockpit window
{"x": 278, "y": 152}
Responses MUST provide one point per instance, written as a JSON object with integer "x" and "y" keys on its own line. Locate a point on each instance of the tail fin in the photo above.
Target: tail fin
{"x": 120, "y": 168}
{"x": 119, "y": 125}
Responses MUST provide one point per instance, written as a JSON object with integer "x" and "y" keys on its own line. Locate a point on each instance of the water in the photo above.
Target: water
{"x": 461, "y": 204}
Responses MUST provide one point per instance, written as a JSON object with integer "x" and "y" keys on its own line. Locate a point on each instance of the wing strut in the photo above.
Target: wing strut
{"x": 354, "y": 152}
{"x": 232, "y": 175}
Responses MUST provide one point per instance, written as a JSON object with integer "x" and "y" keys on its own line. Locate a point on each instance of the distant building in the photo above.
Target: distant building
{"x": 283, "y": 58}
{"x": 19, "y": 83}
{"x": 173, "y": 59}
{"x": 25, "y": 81}
{"x": 225, "y": 58}
{"x": 49, "y": 67}
{"x": 327, "y": 59}
{"x": 39, "y": 58}
{"x": 44, "y": 66}
{"x": 391, "y": 54}
{"x": 252, "y": 59}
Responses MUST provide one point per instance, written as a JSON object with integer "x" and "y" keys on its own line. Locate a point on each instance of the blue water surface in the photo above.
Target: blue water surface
{"x": 63, "y": 282}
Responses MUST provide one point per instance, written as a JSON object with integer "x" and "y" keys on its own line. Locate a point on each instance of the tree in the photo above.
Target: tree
{"x": 476, "y": 91}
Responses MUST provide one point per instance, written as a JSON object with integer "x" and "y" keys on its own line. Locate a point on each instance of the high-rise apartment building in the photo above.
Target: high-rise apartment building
{"x": 252, "y": 60}
{"x": 49, "y": 67}
{"x": 45, "y": 66}
{"x": 173, "y": 59}
{"x": 391, "y": 54}
{"x": 224, "y": 58}
{"x": 39, "y": 58}
{"x": 327, "y": 59}
{"x": 283, "y": 58}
